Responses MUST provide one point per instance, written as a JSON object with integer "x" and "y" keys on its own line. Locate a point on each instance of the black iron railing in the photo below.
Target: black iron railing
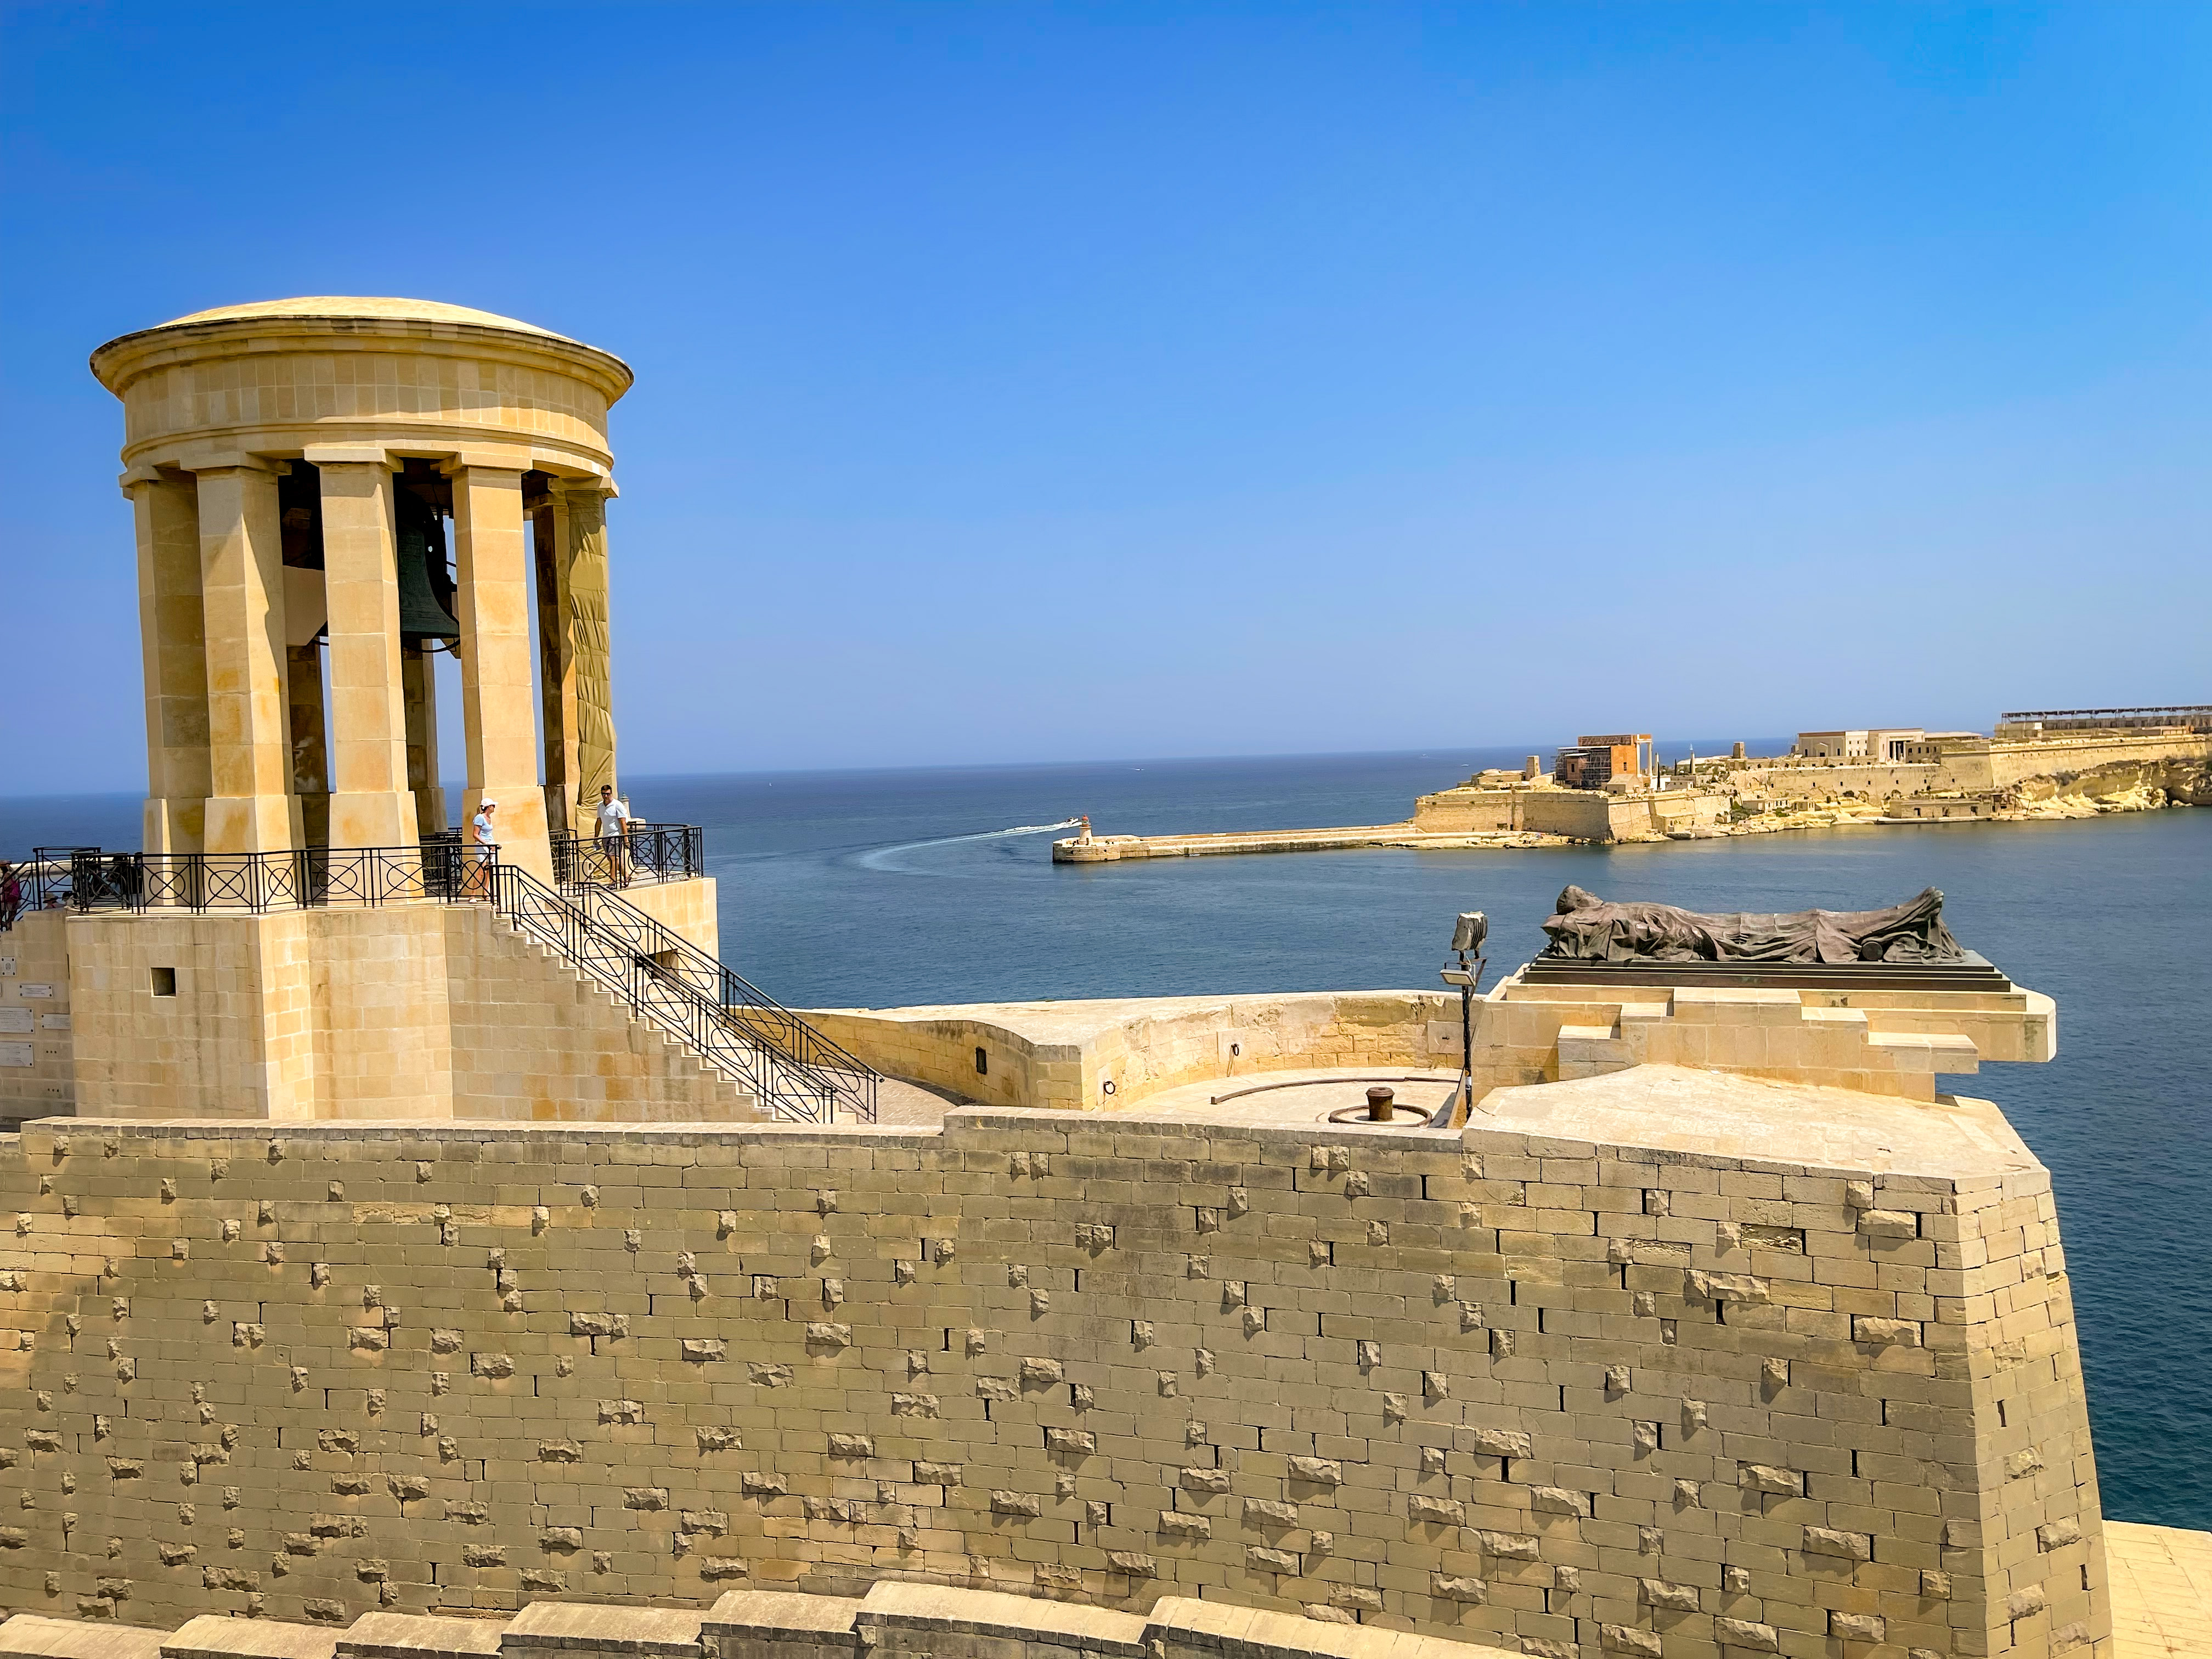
{"x": 794, "y": 1071}
{"x": 652, "y": 852}
{"x": 89, "y": 878}
{"x": 47, "y": 880}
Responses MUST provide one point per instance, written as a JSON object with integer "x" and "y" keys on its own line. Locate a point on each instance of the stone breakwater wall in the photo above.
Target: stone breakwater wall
{"x": 1575, "y": 1397}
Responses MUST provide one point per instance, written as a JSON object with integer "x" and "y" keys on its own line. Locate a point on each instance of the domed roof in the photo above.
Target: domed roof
{"x": 328, "y": 305}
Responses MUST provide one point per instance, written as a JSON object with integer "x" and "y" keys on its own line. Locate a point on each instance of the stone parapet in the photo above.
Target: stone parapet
{"x": 1064, "y": 1055}
{"x": 1657, "y": 1360}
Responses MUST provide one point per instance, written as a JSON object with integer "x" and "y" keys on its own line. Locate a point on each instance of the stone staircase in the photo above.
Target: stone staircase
{"x": 654, "y": 977}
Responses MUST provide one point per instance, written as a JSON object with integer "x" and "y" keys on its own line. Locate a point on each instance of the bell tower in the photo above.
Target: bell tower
{"x": 330, "y": 494}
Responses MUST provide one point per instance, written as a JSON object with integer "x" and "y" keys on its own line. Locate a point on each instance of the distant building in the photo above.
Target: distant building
{"x": 1877, "y": 746}
{"x": 2032, "y": 724}
{"x": 1593, "y": 763}
{"x": 1934, "y": 748}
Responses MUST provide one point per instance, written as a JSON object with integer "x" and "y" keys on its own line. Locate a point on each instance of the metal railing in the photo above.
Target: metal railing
{"x": 798, "y": 1074}
{"x": 90, "y": 879}
{"x": 656, "y": 852}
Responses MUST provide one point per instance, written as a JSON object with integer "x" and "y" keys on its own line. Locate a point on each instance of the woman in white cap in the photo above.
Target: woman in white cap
{"x": 487, "y": 845}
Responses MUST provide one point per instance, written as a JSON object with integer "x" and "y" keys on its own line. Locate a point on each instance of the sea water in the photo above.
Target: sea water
{"x": 878, "y": 888}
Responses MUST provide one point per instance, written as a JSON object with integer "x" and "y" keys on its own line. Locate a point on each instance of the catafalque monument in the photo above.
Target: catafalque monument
{"x": 425, "y": 1249}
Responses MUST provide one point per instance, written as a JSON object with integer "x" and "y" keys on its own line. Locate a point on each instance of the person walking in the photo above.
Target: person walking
{"x": 11, "y": 896}
{"x": 487, "y": 845}
{"x": 614, "y": 819}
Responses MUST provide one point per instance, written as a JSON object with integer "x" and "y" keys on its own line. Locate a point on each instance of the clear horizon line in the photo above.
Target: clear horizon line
{"x": 461, "y": 784}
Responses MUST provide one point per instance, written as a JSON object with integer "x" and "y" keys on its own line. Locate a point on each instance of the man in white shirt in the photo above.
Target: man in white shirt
{"x": 614, "y": 836}
{"x": 487, "y": 844}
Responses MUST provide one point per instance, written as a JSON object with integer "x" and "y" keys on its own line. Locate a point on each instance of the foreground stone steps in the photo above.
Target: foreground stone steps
{"x": 894, "y": 1621}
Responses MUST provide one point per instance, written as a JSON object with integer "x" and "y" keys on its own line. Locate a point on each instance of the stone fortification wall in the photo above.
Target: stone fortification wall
{"x": 1649, "y": 1364}
{"x": 1468, "y": 810}
{"x": 2064, "y": 759}
{"x": 1821, "y": 780}
{"x": 1597, "y": 815}
{"x": 2093, "y": 763}
{"x": 420, "y": 1010}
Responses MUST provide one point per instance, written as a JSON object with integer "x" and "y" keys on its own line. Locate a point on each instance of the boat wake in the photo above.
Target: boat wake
{"x": 885, "y": 858}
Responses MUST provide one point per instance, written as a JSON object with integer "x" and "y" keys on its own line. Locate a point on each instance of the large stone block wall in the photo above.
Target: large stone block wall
{"x": 1821, "y": 780}
{"x": 1468, "y": 810}
{"x": 1575, "y": 1396}
{"x": 38, "y": 1075}
{"x": 421, "y": 1010}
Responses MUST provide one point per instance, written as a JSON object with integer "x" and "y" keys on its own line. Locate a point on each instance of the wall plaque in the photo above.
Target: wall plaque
{"x": 15, "y": 1019}
{"x": 34, "y": 991}
{"x": 15, "y": 1054}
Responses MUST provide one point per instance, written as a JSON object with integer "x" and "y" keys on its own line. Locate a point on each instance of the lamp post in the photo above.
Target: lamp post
{"x": 1468, "y": 936}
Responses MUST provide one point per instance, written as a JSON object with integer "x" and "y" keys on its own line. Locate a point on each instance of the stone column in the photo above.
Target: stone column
{"x": 371, "y": 802}
{"x": 584, "y": 549}
{"x": 496, "y": 693}
{"x": 251, "y": 807}
{"x": 418, "y": 685}
{"x": 557, "y": 667}
{"x": 174, "y": 648}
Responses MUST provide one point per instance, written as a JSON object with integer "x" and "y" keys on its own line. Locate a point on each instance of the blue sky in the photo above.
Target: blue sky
{"x": 1026, "y": 382}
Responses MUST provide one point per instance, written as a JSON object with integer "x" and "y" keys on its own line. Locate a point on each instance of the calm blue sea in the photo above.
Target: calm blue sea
{"x": 882, "y": 888}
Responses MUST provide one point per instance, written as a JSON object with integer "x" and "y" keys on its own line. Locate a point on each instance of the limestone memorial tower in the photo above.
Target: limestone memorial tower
{"x": 295, "y": 465}
{"x": 331, "y": 495}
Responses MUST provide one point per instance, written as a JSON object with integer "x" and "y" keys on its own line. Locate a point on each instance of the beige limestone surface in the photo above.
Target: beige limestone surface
{"x": 1522, "y": 1385}
{"x": 1674, "y": 1110}
{"x": 415, "y": 1009}
{"x": 38, "y": 1072}
{"x": 1065, "y": 1055}
{"x": 2161, "y": 1590}
{"x": 894, "y": 1618}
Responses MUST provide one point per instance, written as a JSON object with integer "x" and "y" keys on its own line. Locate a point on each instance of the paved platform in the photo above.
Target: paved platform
{"x": 2161, "y": 1590}
{"x": 922, "y": 1105}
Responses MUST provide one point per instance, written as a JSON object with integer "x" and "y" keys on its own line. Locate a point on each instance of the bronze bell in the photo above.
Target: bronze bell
{"x": 421, "y": 543}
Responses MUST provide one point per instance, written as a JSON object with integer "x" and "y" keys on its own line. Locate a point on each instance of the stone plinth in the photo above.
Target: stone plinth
{"x": 419, "y": 1010}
